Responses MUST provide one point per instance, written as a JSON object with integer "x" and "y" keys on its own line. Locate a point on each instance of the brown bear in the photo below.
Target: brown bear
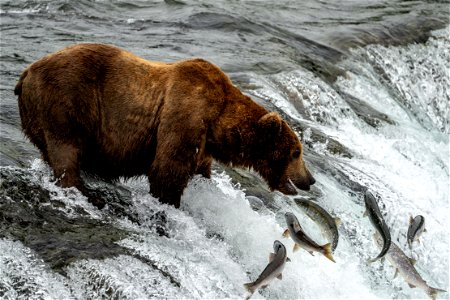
{"x": 100, "y": 109}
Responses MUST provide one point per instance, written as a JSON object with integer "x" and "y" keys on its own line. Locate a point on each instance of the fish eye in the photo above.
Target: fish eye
{"x": 296, "y": 154}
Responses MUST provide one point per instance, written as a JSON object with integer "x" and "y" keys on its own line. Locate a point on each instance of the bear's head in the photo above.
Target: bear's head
{"x": 279, "y": 156}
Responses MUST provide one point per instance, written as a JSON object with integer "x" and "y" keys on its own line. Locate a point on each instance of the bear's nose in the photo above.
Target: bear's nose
{"x": 311, "y": 180}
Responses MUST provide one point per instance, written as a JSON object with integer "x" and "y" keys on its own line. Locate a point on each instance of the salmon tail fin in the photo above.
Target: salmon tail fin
{"x": 249, "y": 290}
{"x": 328, "y": 252}
{"x": 432, "y": 292}
{"x": 249, "y": 287}
{"x": 372, "y": 260}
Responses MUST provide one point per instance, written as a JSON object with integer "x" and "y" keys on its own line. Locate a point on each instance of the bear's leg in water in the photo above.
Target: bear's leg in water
{"x": 167, "y": 183}
{"x": 178, "y": 154}
{"x": 64, "y": 159}
{"x": 204, "y": 168}
{"x": 169, "y": 176}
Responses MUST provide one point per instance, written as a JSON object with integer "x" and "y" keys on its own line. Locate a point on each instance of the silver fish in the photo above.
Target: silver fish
{"x": 376, "y": 218}
{"x": 322, "y": 218}
{"x": 405, "y": 267}
{"x": 301, "y": 239}
{"x": 273, "y": 270}
{"x": 415, "y": 229}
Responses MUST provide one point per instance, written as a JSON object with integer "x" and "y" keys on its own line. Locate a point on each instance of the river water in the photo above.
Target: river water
{"x": 364, "y": 83}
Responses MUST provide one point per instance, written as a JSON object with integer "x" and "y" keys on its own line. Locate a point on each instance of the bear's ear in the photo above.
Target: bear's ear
{"x": 270, "y": 124}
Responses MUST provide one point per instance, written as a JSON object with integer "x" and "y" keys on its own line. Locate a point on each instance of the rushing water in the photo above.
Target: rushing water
{"x": 365, "y": 85}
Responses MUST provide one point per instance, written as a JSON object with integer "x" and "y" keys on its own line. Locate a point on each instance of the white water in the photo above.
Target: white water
{"x": 217, "y": 242}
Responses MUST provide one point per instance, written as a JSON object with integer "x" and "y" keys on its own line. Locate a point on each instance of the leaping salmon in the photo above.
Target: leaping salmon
{"x": 405, "y": 267}
{"x": 273, "y": 270}
{"x": 301, "y": 239}
{"x": 376, "y": 218}
{"x": 321, "y": 217}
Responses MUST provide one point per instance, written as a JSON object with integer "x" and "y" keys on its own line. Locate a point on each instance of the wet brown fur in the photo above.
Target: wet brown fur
{"x": 103, "y": 110}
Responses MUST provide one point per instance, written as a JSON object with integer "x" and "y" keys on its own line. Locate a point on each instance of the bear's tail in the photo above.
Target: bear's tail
{"x": 18, "y": 88}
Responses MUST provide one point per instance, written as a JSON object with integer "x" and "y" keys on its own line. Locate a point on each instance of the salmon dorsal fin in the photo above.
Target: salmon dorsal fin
{"x": 280, "y": 276}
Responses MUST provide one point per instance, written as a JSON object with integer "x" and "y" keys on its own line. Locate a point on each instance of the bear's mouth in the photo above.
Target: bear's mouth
{"x": 290, "y": 188}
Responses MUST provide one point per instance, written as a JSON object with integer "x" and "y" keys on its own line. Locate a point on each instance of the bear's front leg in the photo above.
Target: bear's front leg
{"x": 179, "y": 153}
{"x": 170, "y": 174}
{"x": 204, "y": 168}
{"x": 167, "y": 185}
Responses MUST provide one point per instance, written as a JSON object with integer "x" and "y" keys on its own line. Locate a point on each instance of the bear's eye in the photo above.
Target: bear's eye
{"x": 296, "y": 154}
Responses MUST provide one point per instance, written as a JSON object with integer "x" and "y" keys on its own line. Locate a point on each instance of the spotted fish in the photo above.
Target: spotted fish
{"x": 302, "y": 240}
{"x": 376, "y": 218}
{"x": 273, "y": 270}
{"x": 405, "y": 267}
{"x": 321, "y": 217}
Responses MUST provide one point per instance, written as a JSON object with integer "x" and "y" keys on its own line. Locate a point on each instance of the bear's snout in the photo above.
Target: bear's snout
{"x": 303, "y": 185}
{"x": 302, "y": 180}
{"x": 311, "y": 178}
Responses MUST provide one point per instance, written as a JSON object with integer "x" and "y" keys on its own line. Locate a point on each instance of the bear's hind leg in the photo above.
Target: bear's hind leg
{"x": 64, "y": 159}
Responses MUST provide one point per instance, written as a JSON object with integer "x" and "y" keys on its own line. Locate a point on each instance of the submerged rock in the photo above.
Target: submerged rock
{"x": 315, "y": 136}
{"x": 366, "y": 112}
{"x": 249, "y": 181}
{"x": 61, "y": 235}
{"x": 28, "y": 214}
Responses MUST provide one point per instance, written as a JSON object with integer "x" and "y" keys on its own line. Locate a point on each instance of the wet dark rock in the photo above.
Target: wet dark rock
{"x": 255, "y": 203}
{"x": 326, "y": 71}
{"x": 316, "y": 136}
{"x": 159, "y": 223}
{"x": 154, "y": 265}
{"x": 366, "y": 112}
{"x": 118, "y": 199}
{"x": 29, "y": 214}
{"x": 331, "y": 170}
{"x": 413, "y": 29}
{"x": 250, "y": 182}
